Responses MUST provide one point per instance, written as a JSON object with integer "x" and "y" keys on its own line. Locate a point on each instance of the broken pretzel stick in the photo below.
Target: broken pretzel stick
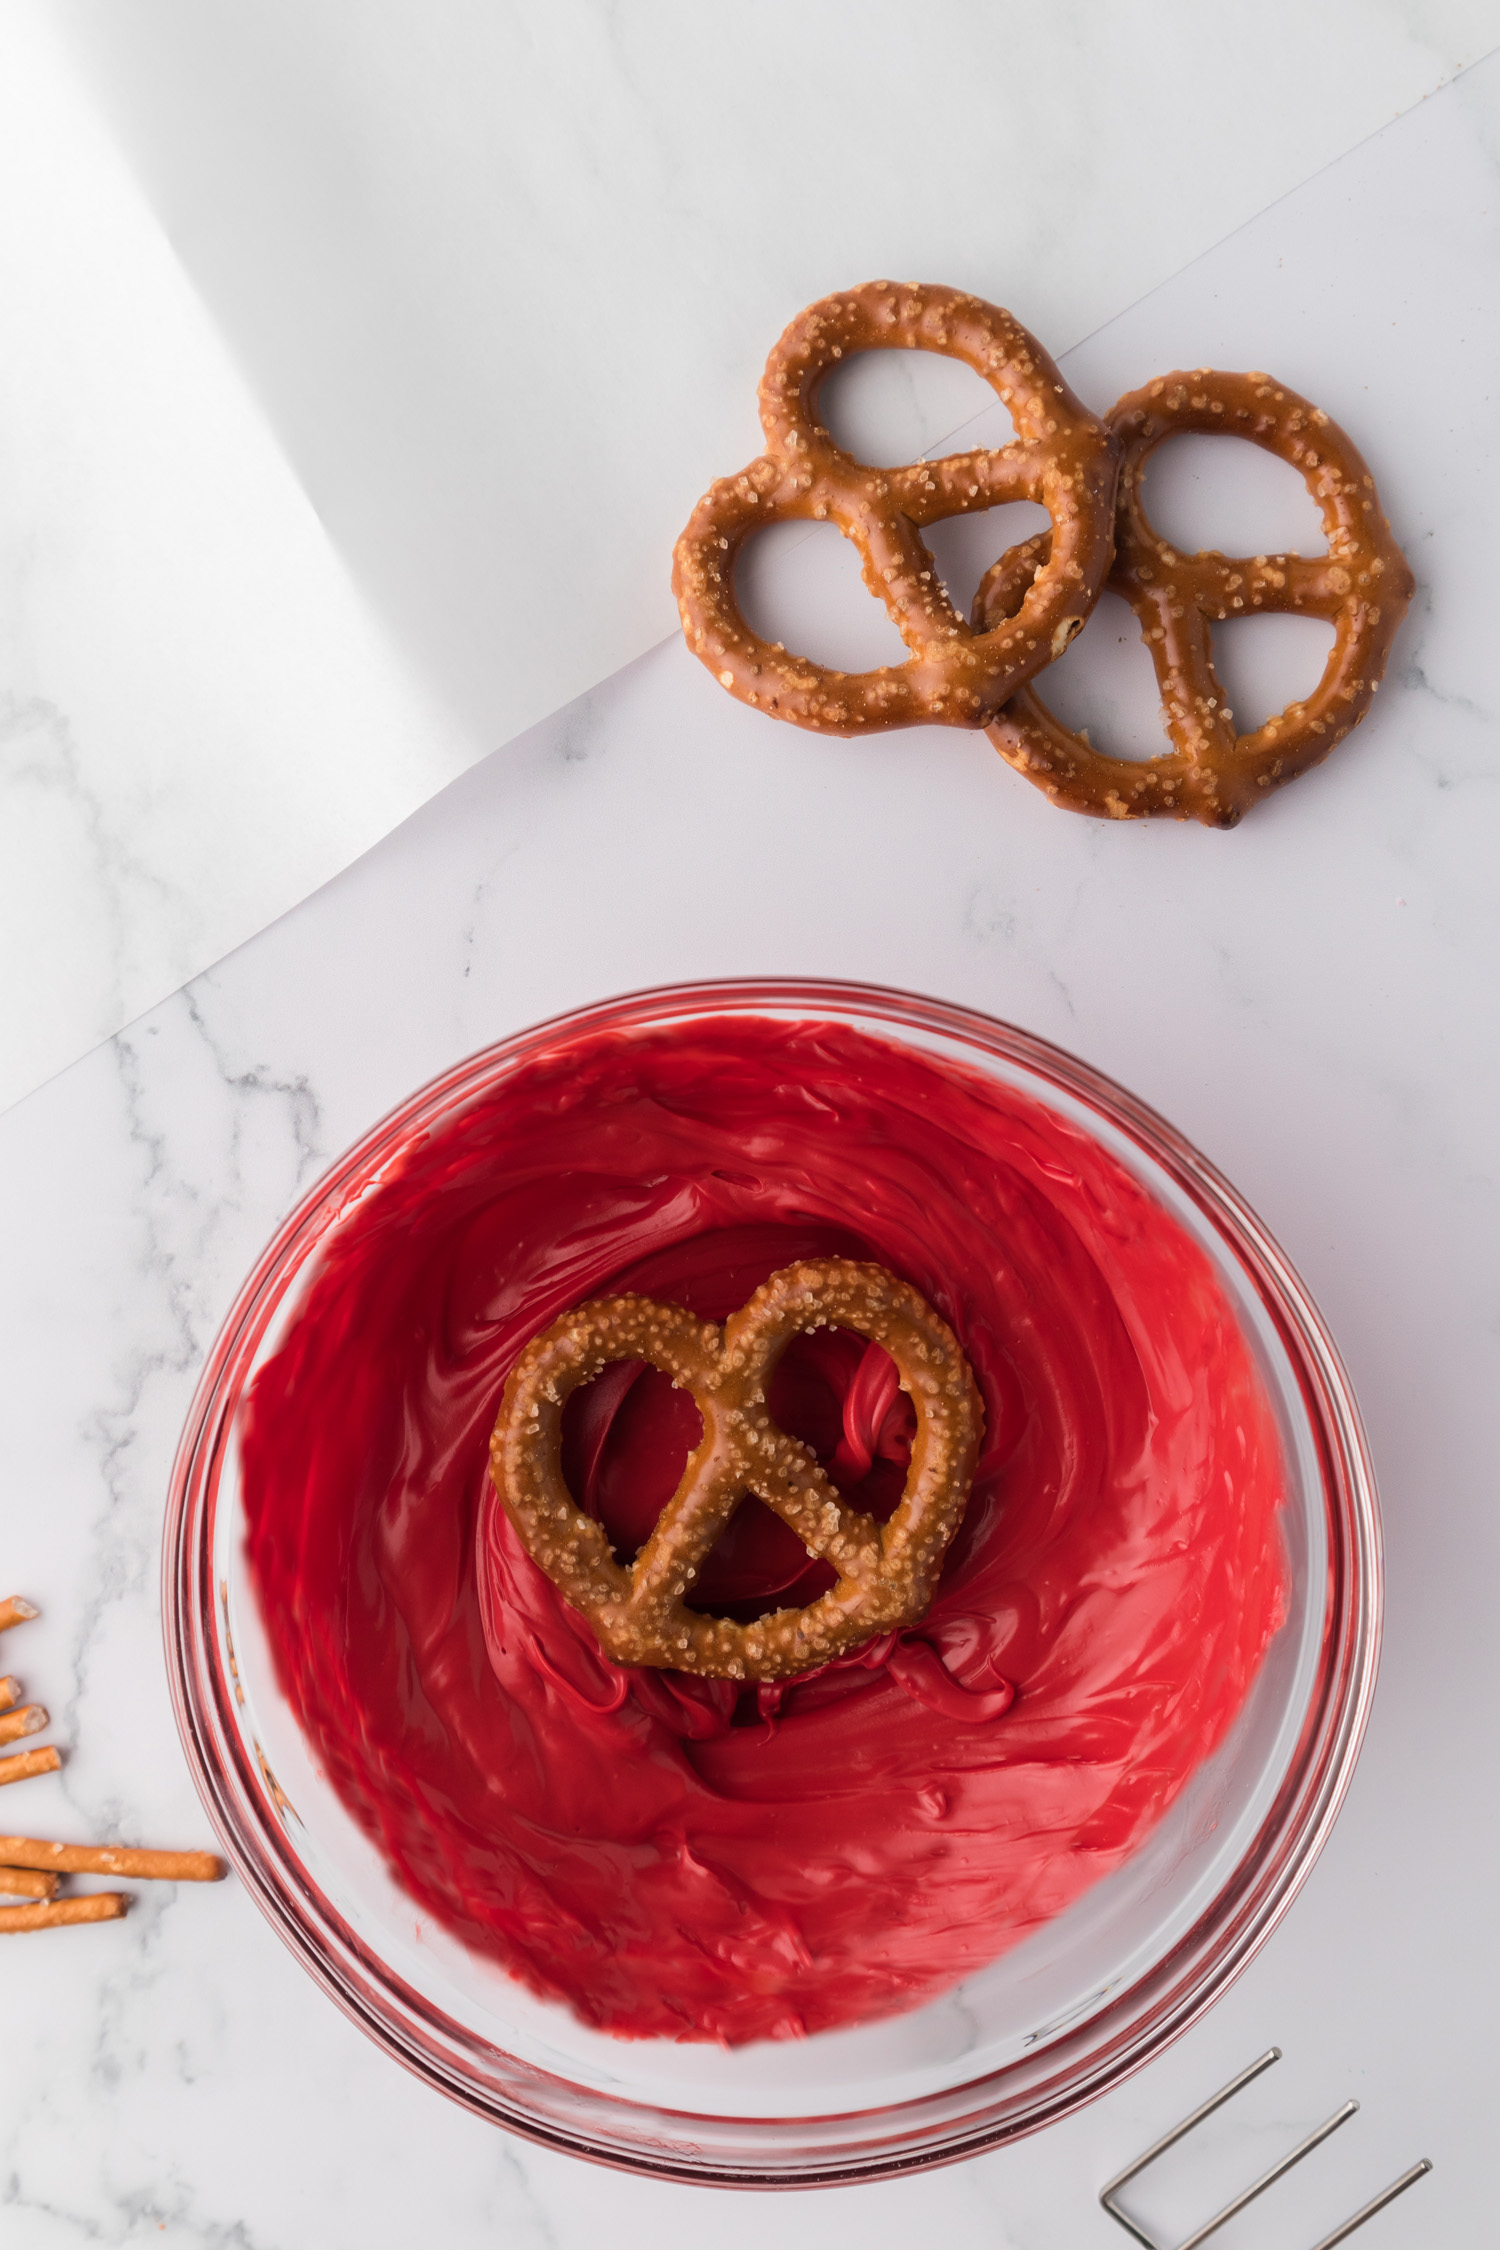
{"x": 30, "y": 1719}
{"x": 16, "y": 1611}
{"x": 110, "y": 1859}
{"x": 10, "y": 1692}
{"x": 54, "y": 1914}
{"x": 19, "y": 1883}
{"x": 21, "y": 1764}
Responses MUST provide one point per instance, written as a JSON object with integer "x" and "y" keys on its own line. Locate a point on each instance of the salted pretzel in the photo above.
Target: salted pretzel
{"x": 1361, "y": 586}
{"x": 886, "y": 1572}
{"x": 956, "y": 675}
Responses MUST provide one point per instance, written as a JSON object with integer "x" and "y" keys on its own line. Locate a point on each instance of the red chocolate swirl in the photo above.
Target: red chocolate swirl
{"x": 700, "y": 1858}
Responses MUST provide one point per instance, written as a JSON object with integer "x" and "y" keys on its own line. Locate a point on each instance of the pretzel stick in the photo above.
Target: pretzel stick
{"x": 100, "y": 1906}
{"x": 16, "y": 1611}
{"x": 10, "y": 1692}
{"x": 21, "y": 1764}
{"x": 30, "y": 1719}
{"x": 110, "y": 1859}
{"x": 21, "y": 1885}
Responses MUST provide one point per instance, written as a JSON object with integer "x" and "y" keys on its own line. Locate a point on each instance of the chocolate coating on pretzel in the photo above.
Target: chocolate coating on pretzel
{"x": 956, "y": 674}
{"x": 1362, "y": 586}
{"x": 887, "y": 1573}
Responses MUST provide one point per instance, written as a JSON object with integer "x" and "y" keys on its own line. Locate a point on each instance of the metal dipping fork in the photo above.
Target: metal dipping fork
{"x": 1278, "y": 2170}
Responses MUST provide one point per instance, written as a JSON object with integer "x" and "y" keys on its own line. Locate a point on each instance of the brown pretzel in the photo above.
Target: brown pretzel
{"x": 956, "y": 675}
{"x": 1361, "y": 586}
{"x": 110, "y": 1859}
{"x": 20, "y": 1765}
{"x": 57, "y": 1913}
{"x": 886, "y": 1572}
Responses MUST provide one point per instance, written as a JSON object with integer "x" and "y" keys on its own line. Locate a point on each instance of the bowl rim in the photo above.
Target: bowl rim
{"x": 1134, "y": 2025}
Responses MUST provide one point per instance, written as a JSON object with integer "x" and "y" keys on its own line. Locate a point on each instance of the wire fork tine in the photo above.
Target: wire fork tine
{"x": 1278, "y": 2171}
{"x": 1376, "y": 2203}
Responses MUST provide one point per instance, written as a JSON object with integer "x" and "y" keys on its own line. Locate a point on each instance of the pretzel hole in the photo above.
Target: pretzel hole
{"x": 1229, "y": 495}
{"x": 842, "y": 1395}
{"x": 757, "y": 1565}
{"x": 1265, "y": 663}
{"x": 626, "y": 1437}
{"x": 889, "y": 407}
{"x": 964, "y": 547}
{"x": 1104, "y": 685}
{"x": 800, "y": 584}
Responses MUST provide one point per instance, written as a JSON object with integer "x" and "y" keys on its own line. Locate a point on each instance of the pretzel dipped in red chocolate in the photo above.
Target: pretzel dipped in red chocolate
{"x": 887, "y": 1572}
{"x": 1362, "y": 586}
{"x": 956, "y": 674}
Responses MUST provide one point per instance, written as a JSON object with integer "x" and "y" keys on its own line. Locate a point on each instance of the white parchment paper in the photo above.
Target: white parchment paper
{"x": 360, "y": 360}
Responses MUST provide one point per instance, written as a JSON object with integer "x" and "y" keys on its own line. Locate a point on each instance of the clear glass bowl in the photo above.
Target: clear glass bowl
{"x": 1061, "y": 2018}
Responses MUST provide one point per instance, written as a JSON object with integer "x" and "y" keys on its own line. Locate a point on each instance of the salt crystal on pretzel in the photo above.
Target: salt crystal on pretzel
{"x": 956, "y": 674}
{"x": 887, "y": 1573}
{"x": 1362, "y": 586}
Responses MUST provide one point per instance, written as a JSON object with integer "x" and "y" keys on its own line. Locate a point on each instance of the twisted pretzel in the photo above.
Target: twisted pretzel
{"x": 956, "y": 675}
{"x": 886, "y": 1572}
{"x": 1361, "y": 586}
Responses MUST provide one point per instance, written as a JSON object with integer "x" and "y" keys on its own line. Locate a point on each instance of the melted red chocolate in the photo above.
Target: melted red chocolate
{"x": 690, "y": 1858}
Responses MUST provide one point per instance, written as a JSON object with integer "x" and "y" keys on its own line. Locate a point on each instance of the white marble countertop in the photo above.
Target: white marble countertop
{"x": 1311, "y": 998}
